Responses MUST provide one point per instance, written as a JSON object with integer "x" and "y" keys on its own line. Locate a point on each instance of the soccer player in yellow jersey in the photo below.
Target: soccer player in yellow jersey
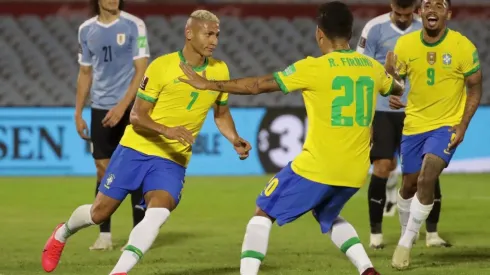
{"x": 155, "y": 150}
{"x": 339, "y": 90}
{"x": 443, "y": 69}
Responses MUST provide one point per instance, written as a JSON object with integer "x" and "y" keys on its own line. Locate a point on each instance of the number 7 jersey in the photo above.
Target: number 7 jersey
{"x": 339, "y": 91}
{"x": 176, "y": 104}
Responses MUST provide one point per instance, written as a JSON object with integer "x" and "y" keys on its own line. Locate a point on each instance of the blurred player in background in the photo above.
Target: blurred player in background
{"x": 379, "y": 37}
{"x": 339, "y": 91}
{"x": 156, "y": 149}
{"x": 113, "y": 58}
{"x": 443, "y": 68}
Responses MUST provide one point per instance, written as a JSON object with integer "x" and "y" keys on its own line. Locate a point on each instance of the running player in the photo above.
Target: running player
{"x": 155, "y": 150}
{"x": 339, "y": 90}
{"x": 443, "y": 69}
{"x": 113, "y": 57}
{"x": 379, "y": 37}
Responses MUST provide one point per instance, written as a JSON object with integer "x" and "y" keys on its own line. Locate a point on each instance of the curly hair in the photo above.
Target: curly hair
{"x": 94, "y": 5}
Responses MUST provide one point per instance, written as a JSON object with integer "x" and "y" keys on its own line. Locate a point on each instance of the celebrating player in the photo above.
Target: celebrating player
{"x": 155, "y": 150}
{"x": 113, "y": 58}
{"x": 379, "y": 37}
{"x": 443, "y": 69}
{"x": 339, "y": 90}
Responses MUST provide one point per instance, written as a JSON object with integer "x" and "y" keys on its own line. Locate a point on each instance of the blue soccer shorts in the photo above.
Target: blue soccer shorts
{"x": 288, "y": 196}
{"x": 414, "y": 148}
{"x": 129, "y": 169}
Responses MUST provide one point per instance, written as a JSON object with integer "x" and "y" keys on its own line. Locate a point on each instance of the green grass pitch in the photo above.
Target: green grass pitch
{"x": 204, "y": 235}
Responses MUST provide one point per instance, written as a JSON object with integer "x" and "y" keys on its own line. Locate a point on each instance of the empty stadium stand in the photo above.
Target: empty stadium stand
{"x": 38, "y": 56}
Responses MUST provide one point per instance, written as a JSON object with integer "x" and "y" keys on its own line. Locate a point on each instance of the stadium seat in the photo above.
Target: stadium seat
{"x": 38, "y": 56}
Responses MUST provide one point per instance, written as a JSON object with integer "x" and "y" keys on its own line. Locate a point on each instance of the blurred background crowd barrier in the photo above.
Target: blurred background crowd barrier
{"x": 38, "y": 72}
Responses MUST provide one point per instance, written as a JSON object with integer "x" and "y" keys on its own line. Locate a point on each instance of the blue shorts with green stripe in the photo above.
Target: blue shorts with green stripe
{"x": 288, "y": 196}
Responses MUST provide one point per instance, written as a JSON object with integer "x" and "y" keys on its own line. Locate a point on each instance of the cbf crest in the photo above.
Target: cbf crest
{"x": 109, "y": 181}
{"x": 121, "y": 39}
{"x": 447, "y": 59}
{"x": 431, "y": 58}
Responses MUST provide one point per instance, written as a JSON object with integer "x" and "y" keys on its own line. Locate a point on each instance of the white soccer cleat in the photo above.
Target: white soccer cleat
{"x": 401, "y": 258}
{"x": 102, "y": 244}
{"x": 433, "y": 240}
{"x": 376, "y": 241}
{"x": 390, "y": 209}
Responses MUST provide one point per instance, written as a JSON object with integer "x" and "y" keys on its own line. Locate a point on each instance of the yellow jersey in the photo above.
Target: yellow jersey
{"x": 436, "y": 74}
{"x": 339, "y": 91}
{"x": 176, "y": 104}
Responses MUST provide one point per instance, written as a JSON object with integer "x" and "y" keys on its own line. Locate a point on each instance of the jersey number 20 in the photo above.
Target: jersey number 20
{"x": 360, "y": 93}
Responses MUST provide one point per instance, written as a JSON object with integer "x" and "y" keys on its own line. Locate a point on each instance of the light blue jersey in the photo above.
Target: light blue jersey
{"x": 378, "y": 37}
{"x": 110, "y": 50}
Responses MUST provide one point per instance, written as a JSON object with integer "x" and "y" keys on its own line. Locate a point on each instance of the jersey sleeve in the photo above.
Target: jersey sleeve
{"x": 402, "y": 58}
{"x": 140, "y": 45}
{"x": 84, "y": 55}
{"x": 297, "y": 76}
{"x": 222, "y": 99}
{"x": 470, "y": 62}
{"x": 152, "y": 83}
{"x": 386, "y": 80}
{"x": 367, "y": 42}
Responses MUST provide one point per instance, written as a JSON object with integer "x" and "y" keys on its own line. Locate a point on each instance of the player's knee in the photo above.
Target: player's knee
{"x": 160, "y": 199}
{"x": 382, "y": 168}
{"x": 260, "y": 213}
{"x": 99, "y": 213}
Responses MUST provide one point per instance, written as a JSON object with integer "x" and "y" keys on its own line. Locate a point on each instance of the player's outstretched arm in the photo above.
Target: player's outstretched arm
{"x": 142, "y": 122}
{"x": 241, "y": 86}
{"x": 226, "y": 125}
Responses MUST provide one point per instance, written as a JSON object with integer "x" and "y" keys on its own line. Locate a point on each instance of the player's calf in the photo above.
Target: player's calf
{"x": 160, "y": 204}
{"x": 255, "y": 243}
{"x": 345, "y": 237}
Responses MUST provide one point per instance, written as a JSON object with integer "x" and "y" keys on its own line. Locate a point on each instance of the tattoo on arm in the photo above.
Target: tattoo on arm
{"x": 247, "y": 86}
{"x": 474, "y": 92}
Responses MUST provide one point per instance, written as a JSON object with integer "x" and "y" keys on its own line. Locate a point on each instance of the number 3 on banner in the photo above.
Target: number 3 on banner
{"x": 271, "y": 186}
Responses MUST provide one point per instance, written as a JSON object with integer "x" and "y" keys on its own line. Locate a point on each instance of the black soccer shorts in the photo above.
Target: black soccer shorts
{"x": 387, "y": 134}
{"x": 105, "y": 139}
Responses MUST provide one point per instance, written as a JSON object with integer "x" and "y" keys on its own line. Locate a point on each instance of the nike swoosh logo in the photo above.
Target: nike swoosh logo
{"x": 176, "y": 81}
{"x": 412, "y": 59}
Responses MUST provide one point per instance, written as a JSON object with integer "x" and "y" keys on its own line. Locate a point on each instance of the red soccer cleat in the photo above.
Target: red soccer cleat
{"x": 371, "y": 271}
{"x": 52, "y": 252}
{"x": 120, "y": 274}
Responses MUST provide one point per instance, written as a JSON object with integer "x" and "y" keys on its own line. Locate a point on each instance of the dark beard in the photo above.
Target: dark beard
{"x": 432, "y": 33}
{"x": 402, "y": 26}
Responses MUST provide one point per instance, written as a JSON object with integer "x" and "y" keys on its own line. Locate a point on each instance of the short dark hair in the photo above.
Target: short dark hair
{"x": 335, "y": 20}
{"x": 94, "y": 5}
{"x": 405, "y": 3}
{"x": 448, "y": 2}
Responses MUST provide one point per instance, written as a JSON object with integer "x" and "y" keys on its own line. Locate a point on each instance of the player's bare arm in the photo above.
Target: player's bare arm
{"x": 141, "y": 121}
{"x": 241, "y": 86}
{"x": 226, "y": 125}
{"x": 474, "y": 92}
{"x": 115, "y": 114}
{"x": 83, "y": 88}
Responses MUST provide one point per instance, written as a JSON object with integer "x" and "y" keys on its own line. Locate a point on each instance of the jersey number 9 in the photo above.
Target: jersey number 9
{"x": 431, "y": 74}
{"x": 360, "y": 91}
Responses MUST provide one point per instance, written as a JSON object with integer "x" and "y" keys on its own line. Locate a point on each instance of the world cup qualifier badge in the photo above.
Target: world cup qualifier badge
{"x": 431, "y": 58}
